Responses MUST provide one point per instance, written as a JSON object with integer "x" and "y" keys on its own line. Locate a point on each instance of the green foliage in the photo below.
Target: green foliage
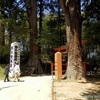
{"x": 18, "y": 28}
{"x": 15, "y": 22}
{"x": 91, "y": 34}
{"x": 4, "y": 50}
{"x": 91, "y": 9}
{"x": 2, "y": 68}
{"x": 45, "y": 58}
{"x": 48, "y": 35}
{"x": 91, "y": 28}
{"x": 4, "y": 54}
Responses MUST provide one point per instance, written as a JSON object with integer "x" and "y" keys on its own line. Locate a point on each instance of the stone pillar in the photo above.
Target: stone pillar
{"x": 58, "y": 66}
{"x": 14, "y": 55}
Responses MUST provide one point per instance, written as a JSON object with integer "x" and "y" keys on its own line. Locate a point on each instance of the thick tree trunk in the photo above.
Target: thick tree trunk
{"x": 32, "y": 18}
{"x": 1, "y": 34}
{"x": 71, "y": 10}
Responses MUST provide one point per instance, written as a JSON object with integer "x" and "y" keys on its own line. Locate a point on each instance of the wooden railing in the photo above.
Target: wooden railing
{"x": 53, "y": 67}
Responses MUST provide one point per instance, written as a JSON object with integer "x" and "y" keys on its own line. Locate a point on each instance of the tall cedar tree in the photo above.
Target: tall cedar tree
{"x": 71, "y": 10}
{"x": 32, "y": 19}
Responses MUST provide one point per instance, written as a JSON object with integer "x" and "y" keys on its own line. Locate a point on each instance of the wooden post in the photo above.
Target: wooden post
{"x": 58, "y": 66}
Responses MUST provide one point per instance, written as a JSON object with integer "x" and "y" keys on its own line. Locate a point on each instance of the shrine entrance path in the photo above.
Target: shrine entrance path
{"x": 30, "y": 88}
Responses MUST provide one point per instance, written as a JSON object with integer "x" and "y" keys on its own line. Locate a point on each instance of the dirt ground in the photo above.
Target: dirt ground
{"x": 29, "y": 88}
{"x": 47, "y": 88}
{"x": 65, "y": 90}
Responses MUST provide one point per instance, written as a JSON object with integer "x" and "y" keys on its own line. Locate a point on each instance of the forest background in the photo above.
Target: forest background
{"x": 16, "y": 25}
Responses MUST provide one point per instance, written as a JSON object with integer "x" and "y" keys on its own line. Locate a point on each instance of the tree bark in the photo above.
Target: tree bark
{"x": 71, "y": 9}
{"x": 1, "y": 34}
{"x": 32, "y": 19}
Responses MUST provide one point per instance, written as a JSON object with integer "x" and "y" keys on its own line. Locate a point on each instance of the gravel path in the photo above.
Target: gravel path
{"x": 30, "y": 88}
